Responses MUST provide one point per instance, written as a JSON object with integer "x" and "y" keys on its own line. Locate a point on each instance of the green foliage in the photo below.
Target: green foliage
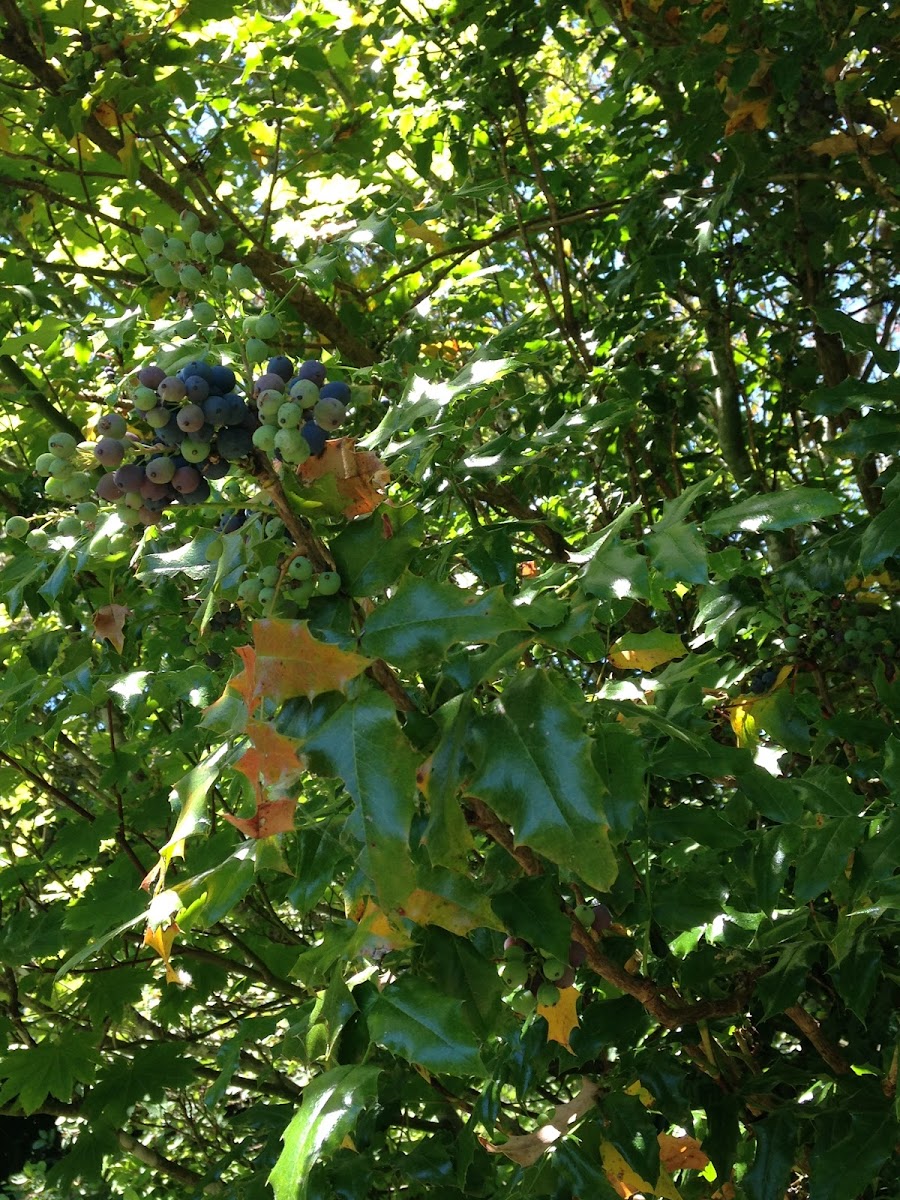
{"x": 580, "y": 636}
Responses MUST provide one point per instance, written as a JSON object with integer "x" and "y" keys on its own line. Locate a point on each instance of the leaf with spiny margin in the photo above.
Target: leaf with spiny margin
{"x": 774, "y": 510}
{"x": 533, "y": 767}
{"x": 678, "y": 553}
{"x": 50, "y": 1068}
{"x": 191, "y": 792}
{"x": 286, "y": 660}
{"x": 452, "y": 901}
{"x": 415, "y": 1021}
{"x": 363, "y": 745}
{"x": 331, "y": 1105}
{"x": 424, "y": 618}
{"x": 447, "y": 837}
{"x": 561, "y": 1017}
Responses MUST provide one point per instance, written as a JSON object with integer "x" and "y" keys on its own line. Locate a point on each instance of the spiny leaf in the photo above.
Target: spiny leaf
{"x": 424, "y": 618}
{"x": 286, "y": 660}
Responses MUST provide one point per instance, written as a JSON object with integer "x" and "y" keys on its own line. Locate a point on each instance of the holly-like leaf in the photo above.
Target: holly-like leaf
{"x": 415, "y": 1021}
{"x": 774, "y": 510}
{"x": 533, "y": 767}
{"x": 561, "y": 1017}
{"x": 678, "y": 553}
{"x": 646, "y": 651}
{"x": 362, "y": 744}
{"x": 329, "y": 1112}
{"x": 424, "y": 618}
{"x": 271, "y": 817}
{"x": 372, "y": 554}
{"x": 627, "y": 1182}
{"x": 286, "y": 660}
{"x": 526, "y": 1148}
{"x": 449, "y": 900}
{"x": 109, "y": 624}
{"x": 191, "y": 792}
{"x": 49, "y": 1068}
{"x": 271, "y": 757}
{"x": 360, "y": 475}
{"x": 682, "y": 1153}
{"x": 161, "y": 940}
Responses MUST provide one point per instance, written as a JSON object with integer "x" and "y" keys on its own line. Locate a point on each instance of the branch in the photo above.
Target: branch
{"x": 812, "y": 1031}
{"x": 48, "y": 787}
{"x": 36, "y": 398}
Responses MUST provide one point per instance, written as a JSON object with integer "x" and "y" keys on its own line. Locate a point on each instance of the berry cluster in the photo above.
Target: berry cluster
{"x": 532, "y": 978}
{"x": 186, "y": 429}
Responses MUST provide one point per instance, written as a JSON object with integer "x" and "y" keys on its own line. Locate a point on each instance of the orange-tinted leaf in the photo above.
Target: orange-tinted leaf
{"x": 287, "y": 660}
{"x": 715, "y": 35}
{"x": 291, "y": 662}
{"x": 161, "y": 941}
{"x": 752, "y": 114}
{"x": 561, "y": 1017}
{"x": 109, "y": 623}
{"x": 527, "y": 1148}
{"x": 422, "y": 233}
{"x": 681, "y": 1153}
{"x": 359, "y": 474}
{"x": 271, "y": 758}
{"x": 106, "y": 114}
{"x": 428, "y": 908}
{"x": 381, "y": 934}
{"x": 271, "y": 817}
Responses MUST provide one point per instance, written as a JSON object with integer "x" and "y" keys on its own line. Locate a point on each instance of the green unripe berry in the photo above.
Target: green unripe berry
{"x": 264, "y": 438}
{"x": 77, "y": 486}
{"x": 190, "y": 222}
{"x": 585, "y": 914}
{"x": 793, "y": 630}
{"x": 186, "y": 328}
{"x": 257, "y": 350}
{"x": 214, "y": 244}
{"x": 37, "y": 539}
{"x": 514, "y": 974}
{"x": 204, "y": 314}
{"x": 166, "y": 276}
{"x": 175, "y": 250}
{"x": 69, "y": 526}
{"x": 293, "y": 445}
{"x": 144, "y": 398}
{"x": 214, "y": 550}
{"x": 547, "y": 995}
{"x": 249, "y": 591}
{"x": 87, "y": 510}
{"x": 193, "y": 451}
{"x": 290, "y": 415}
{"x": 300, "y": 569}
{"x": 267, "y": 326}
{"x": 328, "y": 583}
{"x": 301, "y": 594}
{"x": 266, "y": 595}
{"x": 63, "y": 445}
{"x": 305, "y": 392}
{"x": 241, "y": 277}
{"x": 44, "y": 464}
{"x": 198, "y": 242}
{"x": 153, "y": 238}
{"x": 523, "y": 1003}
{"x": 53, "y": 489}
{"x": 269, "y": 575}
{"x": 554, "y": 969}
{"x": 16, "y": 527}
{"x": 791, "y": 644}
{"x": 190, "y": 278}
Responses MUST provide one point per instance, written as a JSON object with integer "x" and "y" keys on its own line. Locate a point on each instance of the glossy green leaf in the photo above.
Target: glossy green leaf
{"x": 51, "y": 1068}
{"x": 852, "y": 1142}
{"x": 331, "y": 1107}
{"x": 677, "y": 552}
{"x": 415, "y": 1021}
{"x": 371, "y": 554}
{"x": 533, "y": 767}
{"x": 423, "y": 619}
{"x": 362, "y": 744}
{"x": 774, "y": 511}
{"x": 776, "y": 1147}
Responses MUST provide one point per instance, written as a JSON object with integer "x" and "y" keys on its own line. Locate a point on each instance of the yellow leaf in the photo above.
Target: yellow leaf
{"x": 836, "y": 144}
{"x": 381, "y": 934}
{"x": 638, "y": 1089}
{"x": 715, "y": 35}
{"x": 157, "y": 304}
{"x": 421, "y": 233}
{"x": 626, "y": 1181}
{"x": 561, "y": 1017}
{"x": 428, "y": 908}
{"x": 752, "y": 114}
{"x": 161, "y": 941}
{"x": 744, "y": 724}
{"x": 646, "y": 651}
{"x": 681, "y": 1153}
